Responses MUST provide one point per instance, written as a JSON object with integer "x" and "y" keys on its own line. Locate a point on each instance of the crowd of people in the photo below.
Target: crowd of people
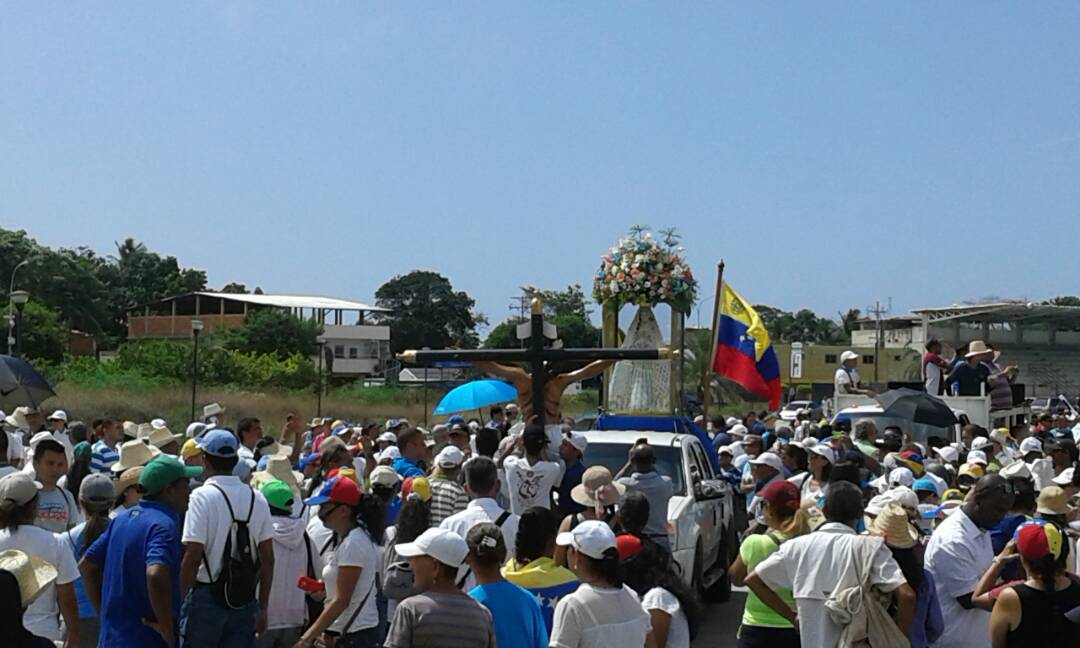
{"x": 328, "y": 532}
{"x": 866, "y": 535}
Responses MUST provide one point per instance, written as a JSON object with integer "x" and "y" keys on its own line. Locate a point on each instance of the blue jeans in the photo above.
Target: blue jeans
{"x": 206, "y": 623}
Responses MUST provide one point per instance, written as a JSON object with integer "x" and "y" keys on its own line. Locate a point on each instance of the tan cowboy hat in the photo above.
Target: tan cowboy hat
{"x": 17, "y": 419}
{"x": 276, "y": 449}
{"x": 128, "y": 478}
{"x": 162, "y": 436}
{"x": 134, "y": 453}
{"x": 131, "y": 429}
{"x": 278, "y": 467}
{"x": 597, "y": 488}
{"x": 893, "y": 523}
{"x": 144, "y": 430}
{"x": 33, "y": 574}
{"x": 977, "y": 347}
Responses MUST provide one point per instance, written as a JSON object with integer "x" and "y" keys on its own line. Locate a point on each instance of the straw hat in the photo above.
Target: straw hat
{"x": 161, "y": 436}
{"x": 977, "y": 347}
{"x": 1052, "y": 501}
{"x": 128, "y": 478}
{"x": 278, "y": 468}
{"x": 17, "y": 419}
{"x": 892, "y": 523}
{"x": 597, "y": 488}
{"x": 134, "y": 453}
{"x": 131, "y": 430}
{"x": 33, "y": 574}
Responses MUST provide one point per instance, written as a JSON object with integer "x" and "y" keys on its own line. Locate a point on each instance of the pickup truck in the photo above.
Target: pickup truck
{"x": 700, "y": 514}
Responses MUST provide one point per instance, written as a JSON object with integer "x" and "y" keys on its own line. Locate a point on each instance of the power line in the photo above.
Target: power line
{"x": 877, "y": 310}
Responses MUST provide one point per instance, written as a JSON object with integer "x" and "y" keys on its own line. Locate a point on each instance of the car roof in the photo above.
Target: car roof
{"x": 630, "y": 436}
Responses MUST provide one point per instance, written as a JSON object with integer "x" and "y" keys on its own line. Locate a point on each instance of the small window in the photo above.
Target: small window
{"x": 830, "y": 358}
{"x": 339, "y": 350}
{"x": 352, "y": 353}
{"x": 868, "y": 359}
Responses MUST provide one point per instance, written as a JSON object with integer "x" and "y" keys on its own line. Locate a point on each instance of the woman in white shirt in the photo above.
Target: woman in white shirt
{"x": 603, "y": 612}
{"x": 674, "y": 610}
{"x": 349, "y": 577}
{"x": 820, "y": 458}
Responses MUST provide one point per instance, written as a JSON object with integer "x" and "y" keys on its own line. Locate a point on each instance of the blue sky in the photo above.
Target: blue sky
{"x": 833, "y": 154}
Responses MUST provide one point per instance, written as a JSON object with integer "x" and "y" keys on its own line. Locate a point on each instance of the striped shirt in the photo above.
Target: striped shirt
{"x": 102, "y": 458}
{"x": 438, "y": 620}
{"x": 447, "y": 498}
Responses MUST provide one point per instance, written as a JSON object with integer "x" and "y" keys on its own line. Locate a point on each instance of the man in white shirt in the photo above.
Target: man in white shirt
{"x": 530, "y": 478}
{"x": 819, "y": 565}
{"x": 248, "y": 431}
{"x": 482, "y": 485}
{"x": 958, "y": 554}
{"x": 209, "y": 524}
{"x": 846, "y": 379}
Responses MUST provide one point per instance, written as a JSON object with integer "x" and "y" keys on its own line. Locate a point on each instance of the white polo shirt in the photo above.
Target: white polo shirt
{"x": 207, "y": 520}
{"x": 816, "y": 565}
{"x": 958, "y": 554}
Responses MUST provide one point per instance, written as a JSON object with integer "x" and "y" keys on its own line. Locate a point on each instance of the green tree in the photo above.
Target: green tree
{"x": 234, "y": 289}
{"x": 848, "y": 320}
{"x": 801, "y": 326}
{"x": 426, "y": 311}
{"x": 273, "y": 331}
{"x": 44, "y": 336}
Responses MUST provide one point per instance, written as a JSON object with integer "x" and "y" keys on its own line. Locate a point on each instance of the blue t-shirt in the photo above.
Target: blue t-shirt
{"x": 516, "y": 614}
{"x": 75, "y": 540}
{"x": 146, "y": 534}
{"x": 571, "y": 478}
{"x": 407, "y": 468}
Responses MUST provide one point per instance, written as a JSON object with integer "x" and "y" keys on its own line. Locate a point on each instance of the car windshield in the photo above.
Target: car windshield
{"x": 613, "y": 456}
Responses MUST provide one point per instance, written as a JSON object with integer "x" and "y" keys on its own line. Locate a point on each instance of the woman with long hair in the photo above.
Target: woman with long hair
{"x": 19, "y": 574}
{"x": 80, "y": 468}
{"x": 18, "y": 506}
{"x": 350, "y": 613}
{"x": 414, "y": 518}
{"x": 902, "y": 538}
{"x": 603, "y": 612}
{"x": 533, "y": 566}
{"x": 674, "y": 610}
{"x": 819, "y": 462}
{"x": 95, "y": 500}
{"x": 1034, "y": 613}
{"x": 784, "y": 519}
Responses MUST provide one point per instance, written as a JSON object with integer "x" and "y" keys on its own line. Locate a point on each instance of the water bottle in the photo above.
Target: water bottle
{"x": 956, "y": 388}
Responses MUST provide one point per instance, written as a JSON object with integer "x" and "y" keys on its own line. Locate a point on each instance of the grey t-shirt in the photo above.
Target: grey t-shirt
{"x": 56, "y": 510}
{"x": 658, "y": 490}
{"x": 436, "y": 620}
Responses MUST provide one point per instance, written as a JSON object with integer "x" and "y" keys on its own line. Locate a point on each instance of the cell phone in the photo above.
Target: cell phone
{"x": 310, "y": 585}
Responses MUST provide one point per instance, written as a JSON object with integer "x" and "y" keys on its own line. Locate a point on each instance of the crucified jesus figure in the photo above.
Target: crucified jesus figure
{"x": 554, "y": 385}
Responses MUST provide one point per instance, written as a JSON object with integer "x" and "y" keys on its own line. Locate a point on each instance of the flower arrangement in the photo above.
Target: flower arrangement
{"x": 641, "y": 270}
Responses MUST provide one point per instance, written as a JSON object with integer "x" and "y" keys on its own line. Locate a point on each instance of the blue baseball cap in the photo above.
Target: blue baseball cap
{"x": 456, "y": 418}
{"x": 307, "y": 460}
{"x": 924, "y": 484}
{"x": 218, "y": 442}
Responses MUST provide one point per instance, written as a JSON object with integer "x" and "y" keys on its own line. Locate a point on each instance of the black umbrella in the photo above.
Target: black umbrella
{"x": 21, "y": 384}
{"x": 916, "y": 406}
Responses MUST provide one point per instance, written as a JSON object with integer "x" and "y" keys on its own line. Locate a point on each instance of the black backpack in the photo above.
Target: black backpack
{"x": 238, "y": 581}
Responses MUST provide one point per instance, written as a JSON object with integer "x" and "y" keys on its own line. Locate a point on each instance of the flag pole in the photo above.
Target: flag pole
{"x": 707, "y": 396}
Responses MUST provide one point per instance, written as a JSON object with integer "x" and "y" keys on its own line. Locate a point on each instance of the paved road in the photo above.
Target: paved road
{"x": 720, "y": 622}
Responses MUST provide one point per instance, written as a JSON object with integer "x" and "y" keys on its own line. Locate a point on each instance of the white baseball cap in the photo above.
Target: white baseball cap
{"x": 732, "y": 421}
{"x": 848, "y": 355}
{"x": 578, "y": 440}
{"x": 445, "y": 546}
{"x": 768, "y": 459}
{"x": 902, "y": 477}
{"x": 384, "y": 476}
{"x": 725, "y": 448}
{"x": 977, "y": 456}
{"x": 948, "y": 454}
{"x": 738, "y": 429}
{"x": 1031, "y": 444}
{"x": 58, "y": 415}
{"x": 824, "y": 450}
{"x": 1017, "y": 469}
{"x": 450, "y": 457}
{"x": 391, "y": 452}
{"x": 1065, "y": 478}
{"x": 981, "y": 442}
{"x": 387, "y": 437}
{"x": 591, "y": 537}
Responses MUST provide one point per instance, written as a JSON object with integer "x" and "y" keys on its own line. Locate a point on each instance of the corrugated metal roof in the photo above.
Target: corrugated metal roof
{"x": 1002, "y": 312}
{"x": 298, "y": 301}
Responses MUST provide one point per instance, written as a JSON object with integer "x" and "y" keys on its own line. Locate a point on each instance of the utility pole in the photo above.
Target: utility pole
{"x": 877, "y": 310}
{"x": 519, "y": 306}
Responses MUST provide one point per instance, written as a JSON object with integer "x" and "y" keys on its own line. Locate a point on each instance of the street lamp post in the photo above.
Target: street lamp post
{"x": 321, "y": 342}
{"x": 18, "y": 300}
{"x": 11, "y": 307}
{"x": 196, "y": 328}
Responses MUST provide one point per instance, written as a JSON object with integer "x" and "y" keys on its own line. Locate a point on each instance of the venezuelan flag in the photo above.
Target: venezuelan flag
{"x": 744, "y": 353}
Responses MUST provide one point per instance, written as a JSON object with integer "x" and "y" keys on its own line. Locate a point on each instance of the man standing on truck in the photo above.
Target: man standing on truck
{"x": 846, "y": 380}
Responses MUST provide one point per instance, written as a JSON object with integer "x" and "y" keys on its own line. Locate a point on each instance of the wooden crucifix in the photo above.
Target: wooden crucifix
{"x": 538, "y": 385}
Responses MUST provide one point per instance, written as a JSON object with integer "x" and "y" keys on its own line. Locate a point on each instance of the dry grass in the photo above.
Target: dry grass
{"x": 174, "y": 404}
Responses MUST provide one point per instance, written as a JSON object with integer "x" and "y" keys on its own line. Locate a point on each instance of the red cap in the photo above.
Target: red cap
{"x": 339, "y": 490}
{"x": 781, "y": 494}
{"x": 627, "y": 545}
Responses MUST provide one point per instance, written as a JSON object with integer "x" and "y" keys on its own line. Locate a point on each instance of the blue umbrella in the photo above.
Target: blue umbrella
{"x": 476, "y": 394}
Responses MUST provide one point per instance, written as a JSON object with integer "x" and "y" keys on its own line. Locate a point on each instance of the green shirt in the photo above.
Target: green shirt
{"x": 754, "y": 549}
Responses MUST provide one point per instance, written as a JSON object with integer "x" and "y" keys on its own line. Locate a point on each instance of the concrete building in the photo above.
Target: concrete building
{"x": 358, "y": 346}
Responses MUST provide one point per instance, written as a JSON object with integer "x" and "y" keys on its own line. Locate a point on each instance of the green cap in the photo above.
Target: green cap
{"x": 164, "y": 470}
{"x": 278, "y": 494}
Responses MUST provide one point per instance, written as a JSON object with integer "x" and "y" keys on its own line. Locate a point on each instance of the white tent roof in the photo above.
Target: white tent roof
{"x": 298, "y": 301}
